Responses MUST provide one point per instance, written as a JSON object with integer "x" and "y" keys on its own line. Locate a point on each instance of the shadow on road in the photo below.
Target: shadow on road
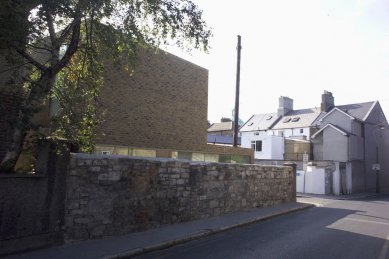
{"x": 314, "y": 233}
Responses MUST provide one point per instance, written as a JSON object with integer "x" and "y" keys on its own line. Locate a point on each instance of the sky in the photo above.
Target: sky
{"x": 297, "y": 49}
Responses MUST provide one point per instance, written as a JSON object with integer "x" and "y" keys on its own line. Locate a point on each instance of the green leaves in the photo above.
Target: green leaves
{"x": 92, "y": 32}
{"x": 77, "y": 88}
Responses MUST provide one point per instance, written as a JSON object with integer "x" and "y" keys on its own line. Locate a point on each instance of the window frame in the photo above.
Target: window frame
{"x": 257, "y": 145}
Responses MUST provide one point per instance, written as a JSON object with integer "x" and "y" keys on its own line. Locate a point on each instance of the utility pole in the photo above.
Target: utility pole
{"x": 377, "y": 173}
{"x": 236, "y": 117}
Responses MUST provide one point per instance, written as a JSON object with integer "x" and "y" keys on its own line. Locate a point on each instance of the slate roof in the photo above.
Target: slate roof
{"x": 299, "y": 119}
{"x": 220, "y": 126}
{"x": 357, "y": 110}
{"x": 260, "y": 122}
{"x": 303, "y": 118}
{"x": 216, "y": 139}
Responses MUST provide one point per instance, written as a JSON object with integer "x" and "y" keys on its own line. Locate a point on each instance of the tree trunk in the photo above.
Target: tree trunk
{"x": 39, "y": 91}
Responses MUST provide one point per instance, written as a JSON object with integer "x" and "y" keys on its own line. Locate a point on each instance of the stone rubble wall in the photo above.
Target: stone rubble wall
{"x": 113, "y": 195}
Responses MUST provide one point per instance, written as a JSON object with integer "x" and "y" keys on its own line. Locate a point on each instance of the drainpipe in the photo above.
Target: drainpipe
{"x": 349, "y": 191}
{"x": 377, "y": 171}
{"x": 364, "y": 155}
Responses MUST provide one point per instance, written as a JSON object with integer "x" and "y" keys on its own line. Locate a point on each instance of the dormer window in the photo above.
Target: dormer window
{"x": 269, "y": 117}
{"x": 286, "y": 120}
{"x": 251, "y": 124}
{"x": 295, "y": 119}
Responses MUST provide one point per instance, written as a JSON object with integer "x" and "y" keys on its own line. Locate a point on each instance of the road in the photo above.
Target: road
{"x": 334, "y": 229}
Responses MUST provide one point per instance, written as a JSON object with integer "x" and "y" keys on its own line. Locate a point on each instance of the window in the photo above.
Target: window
{"x": 286, "y": 120}
{"x": 256, "y": 133}
{"x": 269, "y": 117}
{"x": 105, "y": 152}
{"x": 301, "y": 130}
{"x": 295, "y": 119}
{"x": 256, "y": 145}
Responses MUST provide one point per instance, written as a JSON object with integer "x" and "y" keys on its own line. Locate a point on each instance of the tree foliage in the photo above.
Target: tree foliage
{"x": 88, "y": 31}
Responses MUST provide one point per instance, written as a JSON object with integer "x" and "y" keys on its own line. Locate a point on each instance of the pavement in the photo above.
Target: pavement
{"x": 159, "y": 238}
{"x": 353, "y": 196}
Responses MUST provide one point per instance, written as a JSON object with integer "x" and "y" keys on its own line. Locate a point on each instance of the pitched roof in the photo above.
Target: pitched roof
{"x": 305, "y": 117}
{"x": 260, "y": 122}
{"x": 343, "y": 132}
{"x": 357, "y": 110}
{"x": 336, "y": 109}
{"x": 220, "y": 126}
{"x": 299, "y": 119}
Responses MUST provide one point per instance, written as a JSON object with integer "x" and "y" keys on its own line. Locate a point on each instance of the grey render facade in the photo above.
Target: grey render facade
{"x": 354, "y": 135}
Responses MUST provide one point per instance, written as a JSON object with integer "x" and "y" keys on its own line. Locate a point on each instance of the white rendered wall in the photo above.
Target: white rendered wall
{"x": 288, "y": 133}
{"x": 272, "y": 146}
{"x": 300, "y": 181}
{"x": 315, "y": 180}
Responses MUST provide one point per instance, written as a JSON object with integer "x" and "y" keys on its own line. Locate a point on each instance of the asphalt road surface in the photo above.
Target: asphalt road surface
{"x": 334, "y": 229}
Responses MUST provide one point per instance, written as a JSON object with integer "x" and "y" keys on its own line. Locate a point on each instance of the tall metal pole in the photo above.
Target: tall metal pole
{"x": 236, "y": 117}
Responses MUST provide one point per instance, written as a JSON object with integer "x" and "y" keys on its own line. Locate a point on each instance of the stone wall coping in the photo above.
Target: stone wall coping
{"x": 16, "y": 175}
{"x": 101, "y": 156}
{"x": 162, "y": 159}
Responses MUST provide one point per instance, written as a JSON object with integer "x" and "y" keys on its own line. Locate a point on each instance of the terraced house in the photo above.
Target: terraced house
{"x": 353, "y": 136}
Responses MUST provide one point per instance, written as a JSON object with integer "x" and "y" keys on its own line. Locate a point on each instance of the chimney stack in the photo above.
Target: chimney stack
{"x": 327, "y": 101}
{"x": 285, "y": 105}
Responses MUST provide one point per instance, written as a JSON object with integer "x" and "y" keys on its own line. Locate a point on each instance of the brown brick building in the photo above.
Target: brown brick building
{"x": 159, "y": 111}
{"x": 163, "y": 104}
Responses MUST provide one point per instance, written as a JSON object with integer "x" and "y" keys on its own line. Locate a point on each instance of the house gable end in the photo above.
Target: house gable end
{"x": 334, "y": 110}
{"x": 341, "y": 119}
{"x": 376, "y": 115}
{"x": 330, "y": 126}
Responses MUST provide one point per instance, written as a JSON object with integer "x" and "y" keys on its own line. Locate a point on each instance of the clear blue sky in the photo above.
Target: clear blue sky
{"x": 297, "y": 49}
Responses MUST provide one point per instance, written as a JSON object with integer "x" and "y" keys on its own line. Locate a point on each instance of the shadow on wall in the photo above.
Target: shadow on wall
{"x": 32, "y": 206}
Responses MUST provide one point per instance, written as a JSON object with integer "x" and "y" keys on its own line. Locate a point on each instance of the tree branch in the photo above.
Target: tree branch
{"x": 50, "y": 25}
{"x": 66, "y": 31}
{"x": 13, "y": 68}
{"x": 36, "y": 47}
{"x": 72, "y": 48}
{"x": 30, "y": 59}
{"x": 53, "y": 38}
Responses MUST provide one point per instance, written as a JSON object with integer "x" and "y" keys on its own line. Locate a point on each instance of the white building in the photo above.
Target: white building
{"x": 267, "y": 133}
{"x": 255, "y": 134}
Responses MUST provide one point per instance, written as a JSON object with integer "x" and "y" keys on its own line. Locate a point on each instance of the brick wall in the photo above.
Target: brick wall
{"x": 163, "y": 105}
{"x": 111, "y": 195}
